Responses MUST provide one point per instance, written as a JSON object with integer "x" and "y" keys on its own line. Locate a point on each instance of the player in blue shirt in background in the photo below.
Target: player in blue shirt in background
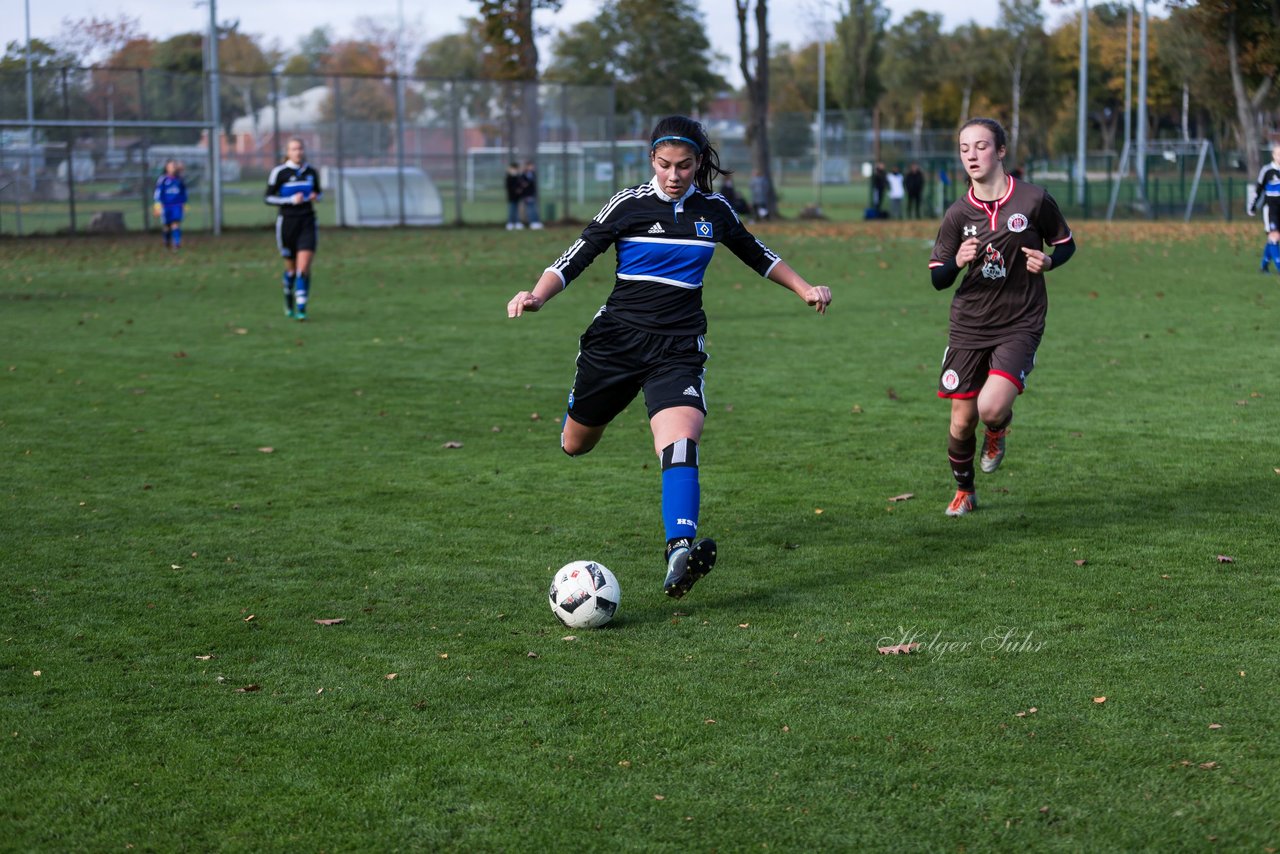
{"x": 649, "y": 334}
{"x": 170, "y": 202}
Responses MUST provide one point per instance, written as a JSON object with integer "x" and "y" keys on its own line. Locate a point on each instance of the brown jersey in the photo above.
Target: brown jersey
{"x": 997, "y": 298}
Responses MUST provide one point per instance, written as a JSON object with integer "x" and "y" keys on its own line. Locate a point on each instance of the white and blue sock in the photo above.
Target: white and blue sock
{"x": 680, "y": 492}
{"x": 302, "y": 286}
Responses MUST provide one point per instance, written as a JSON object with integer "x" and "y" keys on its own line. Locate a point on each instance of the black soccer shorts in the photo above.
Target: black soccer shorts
{"x": 296, "y": 234}
{"x": 616, "y": 362}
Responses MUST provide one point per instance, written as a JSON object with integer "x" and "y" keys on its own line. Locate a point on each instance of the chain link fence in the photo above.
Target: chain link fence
{"x": 87, "y": 154}
{"x": 81, "y": 151}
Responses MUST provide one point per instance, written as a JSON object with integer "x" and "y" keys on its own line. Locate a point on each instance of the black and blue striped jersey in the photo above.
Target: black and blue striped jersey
{"x": 285, "y": 181}
{"x": 663, "y": 248}
{"x": 1268, "y": 188}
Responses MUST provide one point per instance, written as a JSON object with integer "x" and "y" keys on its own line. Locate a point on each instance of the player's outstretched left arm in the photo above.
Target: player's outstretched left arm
{"x": 549, "y": 284}
{"x": 818, "y": 296}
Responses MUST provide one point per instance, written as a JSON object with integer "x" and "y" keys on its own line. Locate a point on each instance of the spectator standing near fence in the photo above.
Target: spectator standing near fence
{"x": 913, "y": 182}
{"x": 897, "y": 192}
{"x": 760, "y": 195}
{"x": 515, "y": 195}
{"x": 530, "y": 194}
{"x": 292, "y": 188}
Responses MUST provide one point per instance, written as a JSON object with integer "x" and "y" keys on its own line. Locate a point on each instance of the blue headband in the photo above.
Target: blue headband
{"x": 697, "y": 149}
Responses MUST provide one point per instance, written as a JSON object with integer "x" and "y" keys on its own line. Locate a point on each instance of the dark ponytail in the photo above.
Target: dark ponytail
{"x": 687, "y": 131}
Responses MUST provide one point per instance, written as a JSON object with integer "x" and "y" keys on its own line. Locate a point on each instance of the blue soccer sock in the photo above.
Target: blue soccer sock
{"x": 1272, "y": 254}
{"x": 177, "y": 236}
{"x": 301, "y": 288}
{"x": 680, "y": 491}
{"x": 287, "y": 281}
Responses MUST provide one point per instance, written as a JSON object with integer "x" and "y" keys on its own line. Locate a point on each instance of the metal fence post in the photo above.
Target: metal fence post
{"x": 337, "y": 130}
{"x": 455, "y": 120}
{"x": 146, "y": 145}
{"x": 399, "y": 81}
{"x": 564, "y": 151}
{"x": 275, "y": 118}
{"x": 71, "y": 152}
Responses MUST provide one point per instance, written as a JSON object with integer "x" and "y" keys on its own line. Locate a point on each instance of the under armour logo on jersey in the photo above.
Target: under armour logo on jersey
{"x": 970, "y": 231}
{"x": 702, "y": 228}
{"x": 691, "y": 392}
{"x": 657, "y": 229}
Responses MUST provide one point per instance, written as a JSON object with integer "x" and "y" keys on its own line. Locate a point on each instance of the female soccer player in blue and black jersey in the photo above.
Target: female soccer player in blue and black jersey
{"x": 170, "y": 202}
{"x": 292, "y": 187}
{"x": 648, "y": 336}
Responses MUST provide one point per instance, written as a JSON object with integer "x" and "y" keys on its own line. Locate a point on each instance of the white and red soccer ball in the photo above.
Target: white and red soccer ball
{"x": 584, "y": 594}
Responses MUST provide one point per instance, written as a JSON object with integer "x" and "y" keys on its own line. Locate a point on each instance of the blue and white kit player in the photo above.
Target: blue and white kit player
{"x": 292, "y": 187}
{"x": 1266, "y": 195}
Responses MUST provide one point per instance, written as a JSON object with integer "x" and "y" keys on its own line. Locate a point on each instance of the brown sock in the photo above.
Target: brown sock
{"x": 960, "y": 453}
{"x": 996, "y": 428}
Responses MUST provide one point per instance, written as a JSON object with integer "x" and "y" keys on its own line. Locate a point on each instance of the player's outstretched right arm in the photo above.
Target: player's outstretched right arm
{"x": 549, "y": 284}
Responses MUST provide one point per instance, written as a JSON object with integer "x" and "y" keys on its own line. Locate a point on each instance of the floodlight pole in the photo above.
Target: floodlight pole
{"x": 31, "y": 117}
{"x": 822, "y": 116}
{"x": 1082, "y": 104}
{"x": 1128, "y": 75}
{"x": 215, "y": 119}
{"x": 1141, "y": 157}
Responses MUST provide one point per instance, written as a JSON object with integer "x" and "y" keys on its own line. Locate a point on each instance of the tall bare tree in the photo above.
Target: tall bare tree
{"x": 513, "y": 57}
{"x": 1023, "y": 26}
{"x": 754, "y": 65}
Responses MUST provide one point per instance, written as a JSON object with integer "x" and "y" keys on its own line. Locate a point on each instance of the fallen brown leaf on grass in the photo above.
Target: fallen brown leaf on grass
{"x": 1080, "y": 562}
{"x": 1215, "y": 726}
{"x": 266, "y": 449}
{"x": 1099, "y": 700}
{"x": 893, "y": 395}
{"x": 533, "y": 416}
{"x": 906, "y": 496}
{"x": 899, "y": 649}
{"x": 1226, "y": 559}
{"x": 452, "y": 445}
{"x": 250, "y": 618}
{"x": 1030, "y": 711}
{"x": 390, "y": 676}
{"x": 204, "y": 657}
{"x": 249, "y": 689}
{"x": 744, "y": 625}
{"x": 531, "y": 655}
{"x": 569, "y": 638}
{"x": 330, "y": 622}
{"x": 1208, "y": 766}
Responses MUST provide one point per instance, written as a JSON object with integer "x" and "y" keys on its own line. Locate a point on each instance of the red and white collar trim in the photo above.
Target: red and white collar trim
{"x": 991, "y": 209}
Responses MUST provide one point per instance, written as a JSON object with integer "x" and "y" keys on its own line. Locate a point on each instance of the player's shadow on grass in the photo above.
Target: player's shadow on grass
{"x": 1159, "y": 513}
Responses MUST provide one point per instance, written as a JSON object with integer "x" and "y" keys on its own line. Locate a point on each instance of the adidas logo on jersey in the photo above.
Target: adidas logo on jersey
{"x": 691, "y": 392}
{"x": 657, "y": 229}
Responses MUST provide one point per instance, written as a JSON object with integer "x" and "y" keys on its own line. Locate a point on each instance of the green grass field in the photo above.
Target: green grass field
{"x": 190, "y": 481}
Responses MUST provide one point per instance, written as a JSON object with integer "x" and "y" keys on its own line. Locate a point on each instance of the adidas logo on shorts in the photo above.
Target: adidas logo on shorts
{"x": 691, "y": 392}
{"x": 657, "y": 229}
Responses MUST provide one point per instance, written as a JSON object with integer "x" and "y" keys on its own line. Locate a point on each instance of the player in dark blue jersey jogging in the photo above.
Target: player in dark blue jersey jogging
{"x": 1266, "y": 195}
{"x": 292, "y": 187}
{"x": 649, "y": 334}
{"x": 170, "y": 202}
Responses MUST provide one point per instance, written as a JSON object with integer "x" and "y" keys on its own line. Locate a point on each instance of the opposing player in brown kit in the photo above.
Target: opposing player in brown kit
{"x": 997, "y": 230}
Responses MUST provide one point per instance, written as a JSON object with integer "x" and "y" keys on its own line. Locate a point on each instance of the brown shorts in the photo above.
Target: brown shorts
{"x": 964, "y": 372}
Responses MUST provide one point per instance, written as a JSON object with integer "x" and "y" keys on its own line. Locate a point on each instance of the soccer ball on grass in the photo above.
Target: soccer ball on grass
{"x": 584, "y": 594}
